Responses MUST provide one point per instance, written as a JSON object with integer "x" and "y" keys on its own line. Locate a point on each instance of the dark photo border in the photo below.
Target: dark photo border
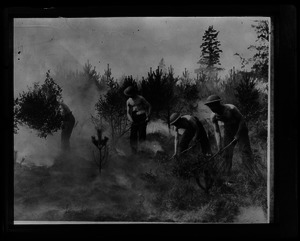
{"x": 284, "y": 211}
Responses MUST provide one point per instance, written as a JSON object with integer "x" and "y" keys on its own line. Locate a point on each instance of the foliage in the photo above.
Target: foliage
{"x": 248, "y": 97}
{"x": 90, "y": 76}
{"x": 187, "y": 98}
{"x": 167, "y": 93}
{"x": 210, "y": 55}
{"x": 170, "y": 97}
{"x": 157, "y": 89}
{"x": 223, "y": 88}
{"x": 111, "y": 107}
{"x": 129, "y": 81}
{"x": 261, "y": 58}
{"x": 39, "y": 107}
{"x": 227, "y": 88}
{"x": 83, "y": 86}
{"x": 187, "y": 94}
{"x": 101, "y": 144}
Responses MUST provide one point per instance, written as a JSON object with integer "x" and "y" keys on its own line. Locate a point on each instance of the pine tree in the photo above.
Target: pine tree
{"x": 187, "y": 93}
{"x": 39, "y": 108}
{"x": 152, "y": 89}
{"x": 158, "y": 90}
{"x": 129, "y": 81}
{"x": 248, "y": 96}
{"x": 210, "y": 51}
{"x": 170, "y": 97}
{"x": 90, "y": 77}
{"x": 111, "y": 107}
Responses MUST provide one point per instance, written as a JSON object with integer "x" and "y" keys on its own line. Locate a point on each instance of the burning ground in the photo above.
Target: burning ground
{"x": 50, "y": 186}
{"x": 130, "y": 187}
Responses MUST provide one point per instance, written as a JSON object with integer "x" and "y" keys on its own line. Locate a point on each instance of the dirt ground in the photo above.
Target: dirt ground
{"x": 72, "y": 189}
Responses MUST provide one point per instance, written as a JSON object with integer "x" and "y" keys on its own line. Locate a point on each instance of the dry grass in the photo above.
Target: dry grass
{"x": 134, "y": 188}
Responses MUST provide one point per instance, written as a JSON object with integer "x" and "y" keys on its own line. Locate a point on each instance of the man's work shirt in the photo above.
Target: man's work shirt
{"x": 139, "y": 105}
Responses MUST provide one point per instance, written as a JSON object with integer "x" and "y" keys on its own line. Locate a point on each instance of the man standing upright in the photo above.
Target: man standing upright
{"x": 235, "y": 129}
{"x": 138, "y": 112}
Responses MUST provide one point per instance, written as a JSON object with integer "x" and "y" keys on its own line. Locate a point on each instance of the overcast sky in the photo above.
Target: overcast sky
{"x": 130, "y": 45}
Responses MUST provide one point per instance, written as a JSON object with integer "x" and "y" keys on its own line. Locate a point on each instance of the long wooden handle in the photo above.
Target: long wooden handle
{"x": 223, "y": 149}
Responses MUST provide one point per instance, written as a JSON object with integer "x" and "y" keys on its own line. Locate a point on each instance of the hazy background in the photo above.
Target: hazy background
{"x": 129, "y": 45}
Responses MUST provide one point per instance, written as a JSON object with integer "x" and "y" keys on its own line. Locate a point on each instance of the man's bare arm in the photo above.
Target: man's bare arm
{"x": 175, "y": 141}
{"x": 128, "y": 111}
{"x": 217, "y": 133}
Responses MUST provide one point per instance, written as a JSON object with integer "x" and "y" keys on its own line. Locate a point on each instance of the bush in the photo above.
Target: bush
{"x": 187, "y": 96}
{"x": 39, "y": 108}
{"x": 158, "y": 90}
{"x": 128, "y": 81}
{"x": 112, "y": 108}
{"x": 248, "y": 97}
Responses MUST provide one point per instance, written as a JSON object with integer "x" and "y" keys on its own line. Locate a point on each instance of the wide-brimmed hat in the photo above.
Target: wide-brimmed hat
{"x": 130, "y": 91}
{"x": 174, "y": 117}
{"x": 212, "y": 99}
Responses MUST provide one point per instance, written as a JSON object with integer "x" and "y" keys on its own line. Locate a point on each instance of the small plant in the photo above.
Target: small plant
{"x": 102, "y": 146}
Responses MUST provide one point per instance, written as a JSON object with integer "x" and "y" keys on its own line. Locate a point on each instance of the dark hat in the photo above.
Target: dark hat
{"x": 212, "y": 99}
{"x": 174, "y": 117}
{"x": 130, "y": 91}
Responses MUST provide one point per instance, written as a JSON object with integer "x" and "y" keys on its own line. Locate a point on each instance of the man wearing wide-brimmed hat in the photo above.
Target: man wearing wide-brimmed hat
{"x": 235, "y": 128}
{"x": 193, "y": 132}
{"x": 138, "y": 112}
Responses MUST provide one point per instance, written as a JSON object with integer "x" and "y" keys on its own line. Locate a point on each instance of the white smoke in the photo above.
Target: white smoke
{"x": 32, "y": 150}
{"x": 153, "y": 146}
{"x": 252, "y": 214}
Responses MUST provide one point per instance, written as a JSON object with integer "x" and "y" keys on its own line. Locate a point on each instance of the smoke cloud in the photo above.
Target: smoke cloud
{"x": 131, "y": 46}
